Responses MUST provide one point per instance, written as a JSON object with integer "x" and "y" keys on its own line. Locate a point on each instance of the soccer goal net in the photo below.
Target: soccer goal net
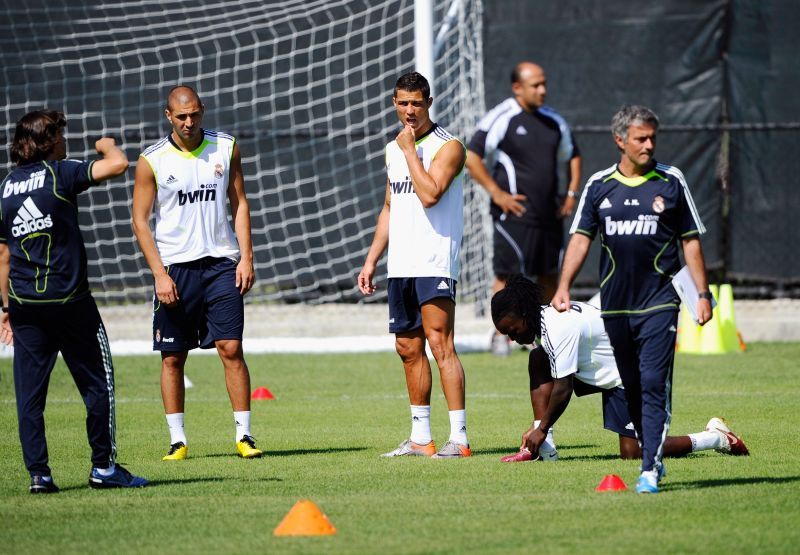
{"x": 304, "y": 85}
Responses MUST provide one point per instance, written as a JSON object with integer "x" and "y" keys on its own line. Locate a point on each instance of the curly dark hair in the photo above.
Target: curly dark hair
{"x": 520, "y": 297}
{"x": 36, "y": 136}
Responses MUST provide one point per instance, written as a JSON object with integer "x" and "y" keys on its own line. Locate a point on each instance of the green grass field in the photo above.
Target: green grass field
{"x": 334, "y": 415}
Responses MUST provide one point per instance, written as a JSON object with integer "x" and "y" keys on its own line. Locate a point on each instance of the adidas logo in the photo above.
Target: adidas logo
{"x": 521, "y": 130}
{"x": 605, "y": 204}
{"x": 29, "y": 219}
{"x": 442, "y": 285}
{"x": 673, "y": 329}
{"x": 171, "y": 179}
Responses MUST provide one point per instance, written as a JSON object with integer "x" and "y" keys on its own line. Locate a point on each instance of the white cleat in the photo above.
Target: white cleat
{"x": 730, "y": 443}
{"x": 410, "y": 449}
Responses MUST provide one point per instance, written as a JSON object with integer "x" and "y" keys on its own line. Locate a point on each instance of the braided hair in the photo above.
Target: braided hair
{"x": 520, "y": 297}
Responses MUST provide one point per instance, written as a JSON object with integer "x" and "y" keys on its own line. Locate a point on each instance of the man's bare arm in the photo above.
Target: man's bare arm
{"x": 144, "y": 194}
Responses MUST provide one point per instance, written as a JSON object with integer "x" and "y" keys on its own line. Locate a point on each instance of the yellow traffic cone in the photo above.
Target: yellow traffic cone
{"x": 688, "y": 333}
{"x": 711, "y": 341}
{"x": 730, "y": 335}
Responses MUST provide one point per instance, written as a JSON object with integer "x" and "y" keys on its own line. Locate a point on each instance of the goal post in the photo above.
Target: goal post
{"x": 305, "y": 87}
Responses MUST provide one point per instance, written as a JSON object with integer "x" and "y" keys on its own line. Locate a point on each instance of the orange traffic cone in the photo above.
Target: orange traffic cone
{"x": 262, "y": 393}
{"x": 611, "y": 482}
{"x": 305, "y": 519}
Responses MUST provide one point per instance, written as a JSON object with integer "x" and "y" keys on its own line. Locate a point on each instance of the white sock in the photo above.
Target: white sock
{"x": 175, "y": 423}
{"x": 703, "y": 441}
{"x": 242, "y": 420}
{"x": 549, "y": 444}
{"x": 421, "y": 424}
{"x": 106, "y": 471}
{"x": 458, "y": 426}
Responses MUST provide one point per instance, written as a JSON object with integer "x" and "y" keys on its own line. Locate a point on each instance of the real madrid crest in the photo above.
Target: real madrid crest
{"x": 658, "y": 204}
{"x": 158, "y": 336}
{"x": 219, "y": 171}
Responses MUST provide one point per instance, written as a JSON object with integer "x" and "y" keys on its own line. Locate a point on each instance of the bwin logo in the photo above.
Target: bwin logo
{"x": 34, "y": 181}
{"x": 202, "y": 195}
{"x": 29, "y": 219}
{"x": 645, "y": 225}
{"x": 400, "y": 187}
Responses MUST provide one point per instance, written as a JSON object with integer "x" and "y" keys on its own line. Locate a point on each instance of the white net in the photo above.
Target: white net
{"x": 304, "y": 85}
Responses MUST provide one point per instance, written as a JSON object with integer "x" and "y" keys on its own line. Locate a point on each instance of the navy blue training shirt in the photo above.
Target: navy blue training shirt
{"x": 641, "y": 221}
{"x": 39, "y": 223}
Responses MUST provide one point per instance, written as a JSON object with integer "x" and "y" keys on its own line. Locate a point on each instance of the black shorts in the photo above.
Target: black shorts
{"x": 407, "y": 295}
{"x": 210, "y": 307}
{"x": 520, "y": 248}
{"x": 616, "y": 417}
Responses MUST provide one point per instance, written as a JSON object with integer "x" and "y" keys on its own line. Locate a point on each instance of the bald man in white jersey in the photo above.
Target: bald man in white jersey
{"x": 421, "y": 223}
{"x": 201, "y": 267}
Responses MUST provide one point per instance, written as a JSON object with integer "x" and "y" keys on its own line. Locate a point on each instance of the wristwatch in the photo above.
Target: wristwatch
{"x": 704, "y": 295}
{"x": 572, "y": 194}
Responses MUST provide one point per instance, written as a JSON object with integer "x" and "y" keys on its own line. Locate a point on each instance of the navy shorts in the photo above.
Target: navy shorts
{"x": 210, "y": 307}
{"x": 616, "y": 417}
{"x": 407, "y": 295}
{"x": 520, "y": 248}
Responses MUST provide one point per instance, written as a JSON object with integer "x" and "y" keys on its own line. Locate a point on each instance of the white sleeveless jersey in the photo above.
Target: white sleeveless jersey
{"x": 577, "y": 343}
{"x": 191, "y": 200}
{"x": 423, "y": 242}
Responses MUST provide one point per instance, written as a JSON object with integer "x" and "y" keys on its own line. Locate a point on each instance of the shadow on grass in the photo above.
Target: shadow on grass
{"x": 165, "y": 483}
{"x": 698, "y": 484}
{"x": 183, "y": 481}
{"x": 606, "y": 457}
{"x": 295, "y": 452}
{"x": 514, "y": 449}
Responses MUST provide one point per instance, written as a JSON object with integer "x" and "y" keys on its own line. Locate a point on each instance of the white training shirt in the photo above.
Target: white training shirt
{"x": 423, "y": 242}
{"x": 576, "y": 343}
{"x": 191, "y": 201}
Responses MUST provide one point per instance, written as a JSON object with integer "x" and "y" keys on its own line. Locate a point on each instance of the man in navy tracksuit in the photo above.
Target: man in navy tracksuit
{"x": 47, "y": 305}
{"x": 642, "y": 210}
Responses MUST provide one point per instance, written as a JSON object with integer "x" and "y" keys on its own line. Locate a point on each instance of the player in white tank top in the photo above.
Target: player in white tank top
{"x": 191, "y": 203}
{"x": 421, "y": 223}
{"x": 423, "y": 241}
{"x": 188, "y": 177}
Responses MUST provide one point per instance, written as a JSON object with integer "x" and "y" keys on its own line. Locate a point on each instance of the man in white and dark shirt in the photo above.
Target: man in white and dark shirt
{"x": 575, "y": 355}
{"x": 519, "y": 150}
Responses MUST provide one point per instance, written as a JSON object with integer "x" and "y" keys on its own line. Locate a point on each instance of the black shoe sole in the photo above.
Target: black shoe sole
{"x": 105, "y": 485}
{"x": 35, "y": 491}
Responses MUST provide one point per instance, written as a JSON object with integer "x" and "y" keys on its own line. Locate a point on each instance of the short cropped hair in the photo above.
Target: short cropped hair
{"x": 632, "y": 114}
{"x": 36, "y": 136}
{"x": 411, "y": 82}
{"x": 516, "y": 74}
{"x": 192, "y": 91}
